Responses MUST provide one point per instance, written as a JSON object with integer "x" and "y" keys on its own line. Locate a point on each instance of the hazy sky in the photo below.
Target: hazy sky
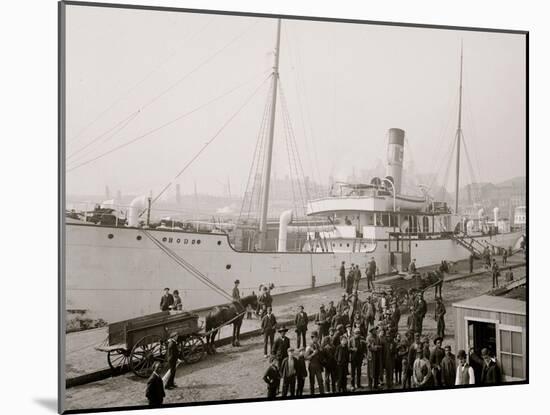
{"x": 130, "y": 72}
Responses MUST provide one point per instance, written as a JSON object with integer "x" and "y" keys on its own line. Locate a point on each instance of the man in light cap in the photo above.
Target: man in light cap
{"x": 357, "y": 352}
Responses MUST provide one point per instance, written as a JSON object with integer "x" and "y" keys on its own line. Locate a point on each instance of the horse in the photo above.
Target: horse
{"x": 224, "y": 314}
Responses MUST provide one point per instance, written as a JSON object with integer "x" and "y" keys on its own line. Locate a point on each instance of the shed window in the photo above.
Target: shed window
{"x": 511, "y": 353}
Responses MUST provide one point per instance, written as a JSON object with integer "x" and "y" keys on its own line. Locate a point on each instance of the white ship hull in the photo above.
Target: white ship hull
{"x": 119, "y": 277}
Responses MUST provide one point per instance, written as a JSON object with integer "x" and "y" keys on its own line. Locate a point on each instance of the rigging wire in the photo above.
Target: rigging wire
{"x": 255, "y": 159}
{"x": 195, "y": 69}
{"x": 141, "y": 81}
{"x": 154, "y": 130}
{"x": 216, "y": 135}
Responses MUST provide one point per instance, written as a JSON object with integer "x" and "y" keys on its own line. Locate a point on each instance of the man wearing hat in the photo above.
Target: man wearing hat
{"x": 288, "y": 373}
{"x": 422, "y": 375}
{"x": 436, "y": 356}
{"x": 413, "y": 348}
{"x": 490, "y": 374}
{"x": 301, "y": 372}
{"x": 439, "y": 317}
{"x": 236, "y": 294}
{"x": 350, "y": 280}
{"x": 357, "y": 353}
{"x": 343, "y": 274}
{"x": 329, "y": 362}
{"x": 273, "y": 378}
{"x": 322, "y": 321}
{"x": 420, "y": 310}
{"x": 464, "y": 372}
{"x": 371, "y": 273}
{"x": 313, "y": 355}
{"x": 343, "y": 304}
{"x": 331, "y": 310}
{"x": 166, "y": 301}
{"x": 281, "y": 346}
{"x": 448, "y": 368}
{"x": 172, "y": 353}
{"x": 300, "y": 322}
{"x": 341, "y": 355}
{"x": 155, "y": 388}
{"x": 268, "y": 329}
{"x": 373, "y": 358}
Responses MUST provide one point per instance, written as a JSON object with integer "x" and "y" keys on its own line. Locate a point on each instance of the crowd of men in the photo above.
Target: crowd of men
{"x": 356, "y": 339}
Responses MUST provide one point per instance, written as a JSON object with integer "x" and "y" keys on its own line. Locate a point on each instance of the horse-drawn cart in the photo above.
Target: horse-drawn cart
{"x": 408, "y": 285}
{"x": 138, "y": 343}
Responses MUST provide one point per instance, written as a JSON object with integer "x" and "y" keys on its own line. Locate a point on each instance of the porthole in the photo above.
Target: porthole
{"x": 138, "y": 237}
{"x": 110, "y": 236}
{"x": 385, "y": 246}
{"x": 164, "y": 239}
{"x": 347, "y": 245}
{"x": 198, "y": 241}
{"x": 192, "y": 242}
{"x": 219, "y": 242}
{"x": 416, "y": 245}
{"x": 228, "y": 266}
{"x": 178, "y": 240}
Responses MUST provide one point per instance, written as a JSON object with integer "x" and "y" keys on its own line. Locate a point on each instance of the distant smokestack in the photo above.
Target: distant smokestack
{"x": 396, "y": 141}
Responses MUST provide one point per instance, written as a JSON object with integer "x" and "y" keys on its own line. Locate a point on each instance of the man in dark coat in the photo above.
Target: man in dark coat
{"x": 420, "y": 310}
{"x": 388, "y": 352}
{"x": 301, "y": 372}
{"x": 343, "y": 304}
{"x": 439, "y": 317}
{"x": 476, "y": 363}
{"x": 166, "y": 301}
{"x": 300, "y": 322}
{"x": 472, "y": 258}
{"x": 357, "y": 350}
{"x": 373, "y": 358}
{"x": 413, "y": 348}
{"x": 281, "y": 346}
{"x": 172, "y": 354}
{"x": 436, "y": 356}
{"x": 331, "y": 310}
{"x": 357, "y": 278}
{"x": 490, "y": 374}
{"x": 322, "y": 321}
{"x": 328, "y": 349}
{"x": 155, "y": 388}
{"x": 448, "y": 368}
{"x": 350, "y": 280}
{"x": 268, "y": 329}
{"x": 288, "y": 373}
{"x": 313, "y": 355}
{"x": 343, "y": 275}
{"x": 341, "y": 355}
{"x": 495, "y": 270}
{"x": 236, "y": 295}
{"x": 272, "y": 378}
{"x": 371, "y": 274}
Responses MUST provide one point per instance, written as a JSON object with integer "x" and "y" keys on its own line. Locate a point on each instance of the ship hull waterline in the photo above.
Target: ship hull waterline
{"x": 116, "y": 273}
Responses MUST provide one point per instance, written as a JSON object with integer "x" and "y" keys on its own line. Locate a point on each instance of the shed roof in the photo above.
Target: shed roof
{"x": 494, "y": 304}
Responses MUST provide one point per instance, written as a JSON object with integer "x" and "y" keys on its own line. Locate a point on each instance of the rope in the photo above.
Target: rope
{"x": 121, "y": 97}
{"x": 154, "y": 130}
{"x": 209, "y": 142}
{"x": 188, "y": 267}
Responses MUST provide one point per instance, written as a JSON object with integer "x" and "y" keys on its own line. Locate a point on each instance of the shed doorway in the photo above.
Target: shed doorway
{"x": 482, "y": 334}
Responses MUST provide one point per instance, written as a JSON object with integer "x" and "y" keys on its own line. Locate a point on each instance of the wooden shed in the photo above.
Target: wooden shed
{"x": 497, "y": 323}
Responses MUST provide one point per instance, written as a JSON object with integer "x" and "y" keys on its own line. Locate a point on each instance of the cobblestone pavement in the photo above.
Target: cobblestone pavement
{"x": 236, "y": 373}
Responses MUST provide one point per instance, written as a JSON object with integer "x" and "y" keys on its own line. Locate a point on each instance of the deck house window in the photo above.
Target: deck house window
{"x": 511, "y": 353}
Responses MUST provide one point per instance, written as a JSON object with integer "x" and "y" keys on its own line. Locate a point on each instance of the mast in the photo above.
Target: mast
{"x": 269, "y": 147}
{"x": 458, "y": 133}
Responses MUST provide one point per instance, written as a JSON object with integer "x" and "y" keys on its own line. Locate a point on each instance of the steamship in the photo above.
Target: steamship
{"x": 117, "y": 271}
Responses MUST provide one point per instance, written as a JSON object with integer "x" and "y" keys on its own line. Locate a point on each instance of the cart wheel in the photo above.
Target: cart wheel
{"x": 118, "y": 360}
{"x": 145, "y": 353}
{"x": 192, "y": 348}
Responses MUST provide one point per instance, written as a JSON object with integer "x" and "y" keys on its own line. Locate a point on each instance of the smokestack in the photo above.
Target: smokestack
{"x": 396, "y": 141}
